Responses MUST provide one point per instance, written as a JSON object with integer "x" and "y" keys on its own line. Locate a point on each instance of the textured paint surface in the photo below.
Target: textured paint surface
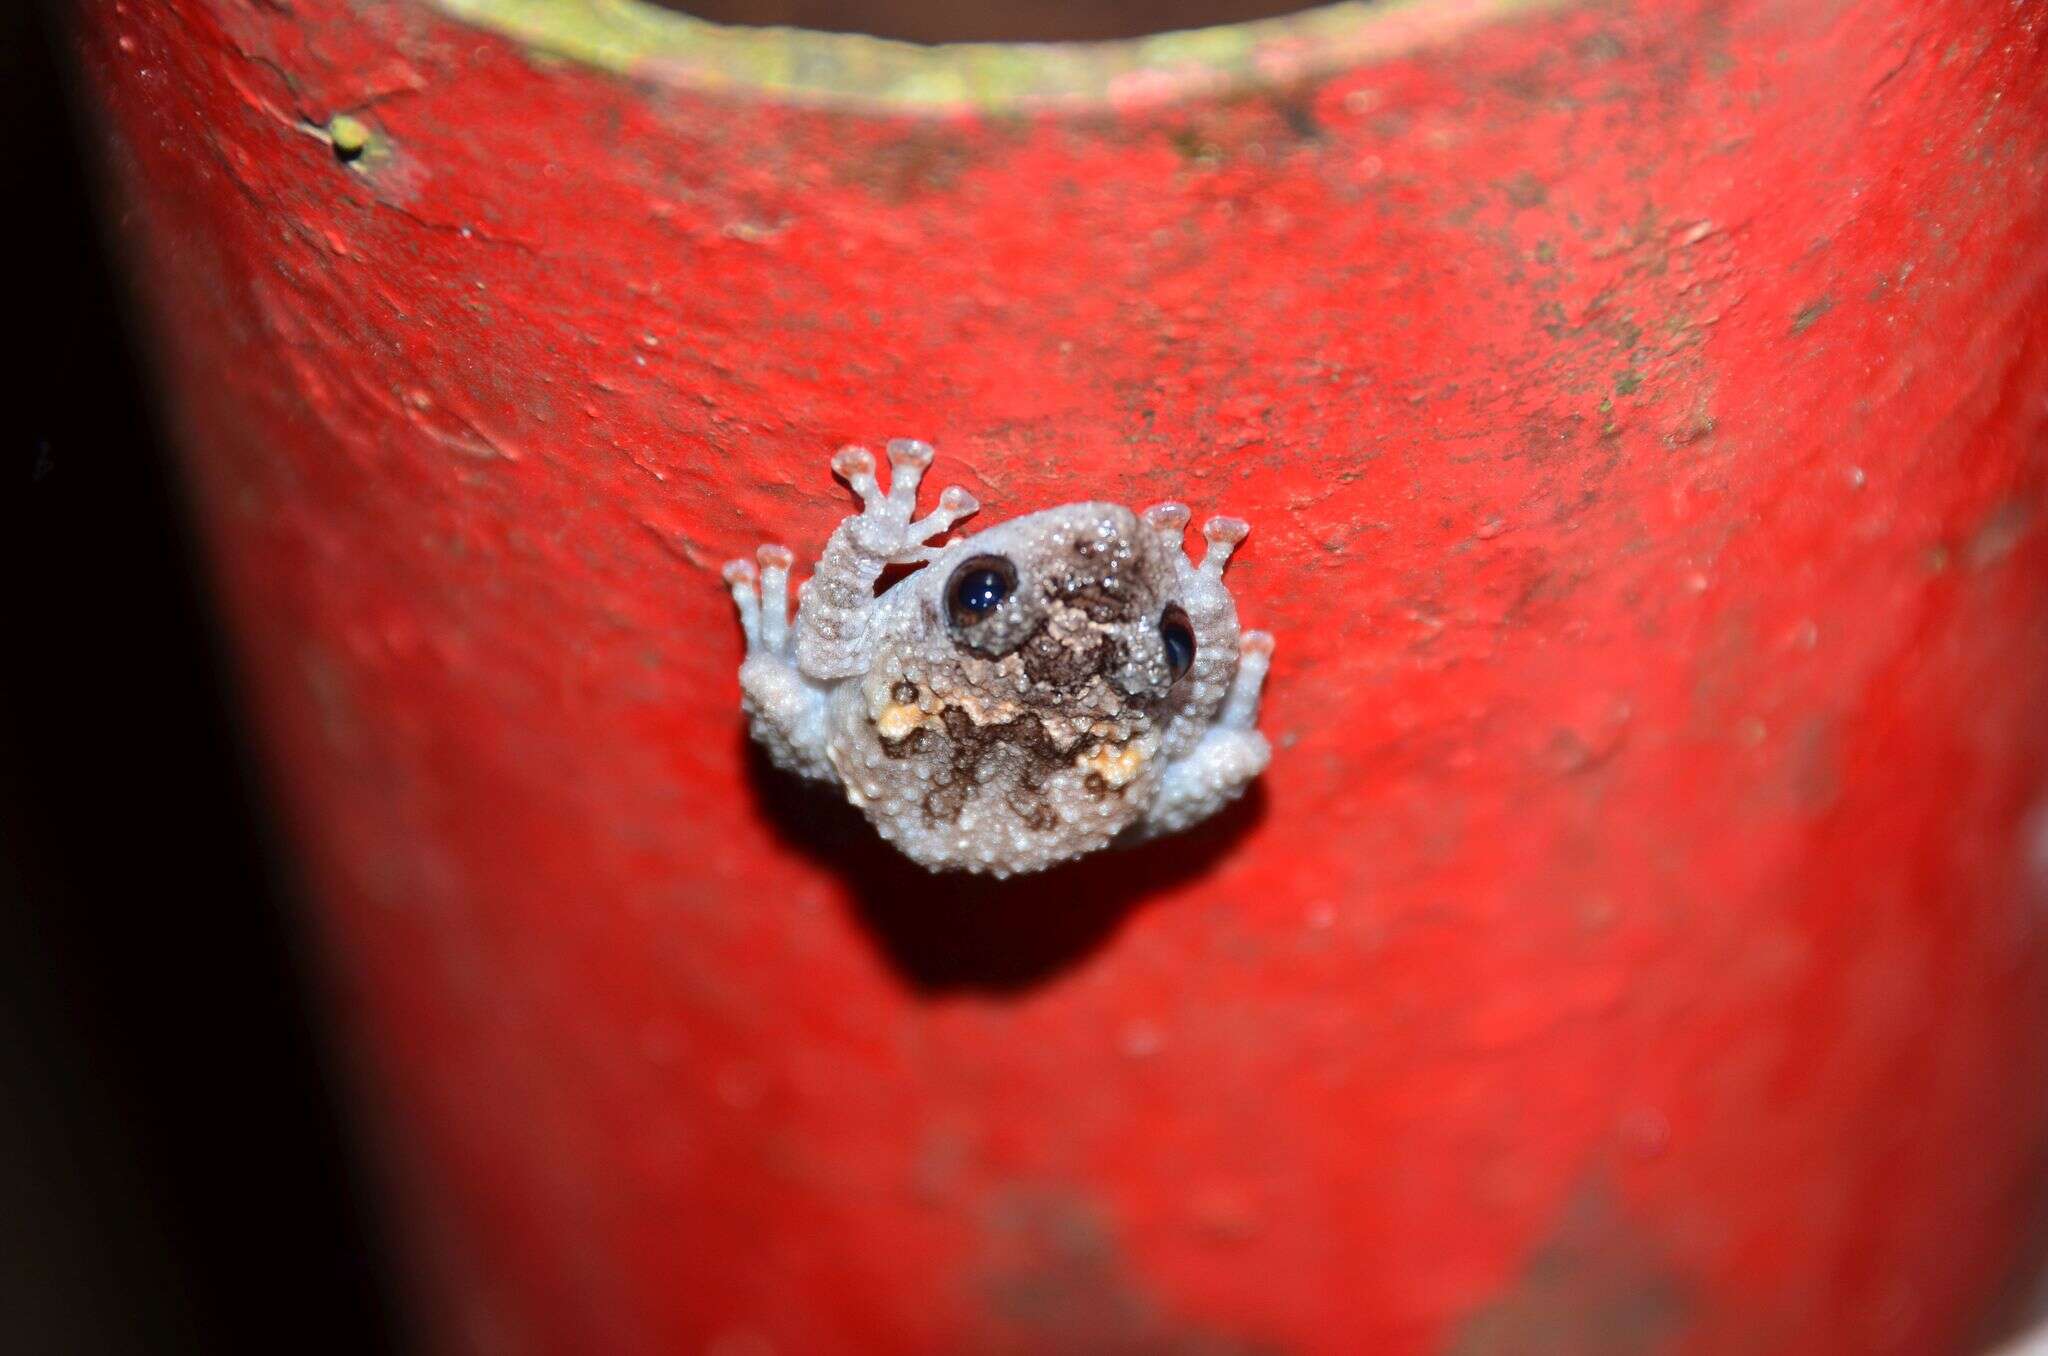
{"x": 1638, "y": 943}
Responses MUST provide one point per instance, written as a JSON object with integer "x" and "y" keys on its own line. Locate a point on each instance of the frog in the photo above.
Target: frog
{"x": 1009, "y": 700}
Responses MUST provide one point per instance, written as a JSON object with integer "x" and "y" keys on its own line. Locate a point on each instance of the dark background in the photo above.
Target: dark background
{"x": 175, "y": 1172}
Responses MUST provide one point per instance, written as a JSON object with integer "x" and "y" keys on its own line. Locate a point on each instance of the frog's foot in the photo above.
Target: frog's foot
{"x": 1223, "y": 536}
{"x": 1168, "y": 521}
{"x": 884, "y": 527}
{"x": 1241, "y": 705}
{"x": 786, "y": 712}
{"x": 762, "y": 597}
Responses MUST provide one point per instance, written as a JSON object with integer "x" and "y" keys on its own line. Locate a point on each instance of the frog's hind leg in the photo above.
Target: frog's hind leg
{"x": 1229, "y": 755}
{"x": 762, "y": 597}
{"x": 1241, "y": 706}
{"x": 1231, "y": 751}
{"x": 785, "y": 710}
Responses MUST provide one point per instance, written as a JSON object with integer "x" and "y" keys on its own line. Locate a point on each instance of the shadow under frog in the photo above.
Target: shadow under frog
{"x": 958, "y": 933}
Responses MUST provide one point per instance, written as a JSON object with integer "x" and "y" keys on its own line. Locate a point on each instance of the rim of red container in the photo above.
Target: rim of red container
{"x": 807, "y": 66}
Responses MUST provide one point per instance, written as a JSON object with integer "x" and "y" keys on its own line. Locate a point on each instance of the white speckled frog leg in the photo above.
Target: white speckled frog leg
{"x": 785, "y": 710}
{"x": 1230, "y": 754}
{"x": 832, "y": 638}
{"x": 1231, "y": 751}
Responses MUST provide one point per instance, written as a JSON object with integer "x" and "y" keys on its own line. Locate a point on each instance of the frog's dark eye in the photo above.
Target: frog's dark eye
{"x": 978, "y": 588}
{"x": 1179, "y": 639}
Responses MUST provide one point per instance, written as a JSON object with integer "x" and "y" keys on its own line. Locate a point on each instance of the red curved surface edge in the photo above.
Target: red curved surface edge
{"x": 1638, "y": 942}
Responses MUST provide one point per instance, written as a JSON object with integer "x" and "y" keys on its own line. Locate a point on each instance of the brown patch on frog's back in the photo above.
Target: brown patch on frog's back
{"x": 911, "y": 744}
{"x": 1057, "y": 663}
{"x": 1022, "y": 741}
{"x": 1104, "y": 581}
{"x": 1100, "y": 600}
{"x": 1032, "y": 754}
{"x": 1098, "y": 785}
{"x": 1031, "y": 808}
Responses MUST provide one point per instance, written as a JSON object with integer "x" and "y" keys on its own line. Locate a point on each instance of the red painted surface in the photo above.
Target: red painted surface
{"x": 1639, "y": 943}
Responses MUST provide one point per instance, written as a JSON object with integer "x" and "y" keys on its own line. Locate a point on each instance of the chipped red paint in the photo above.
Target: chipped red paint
{"x": 1643, "y": 412}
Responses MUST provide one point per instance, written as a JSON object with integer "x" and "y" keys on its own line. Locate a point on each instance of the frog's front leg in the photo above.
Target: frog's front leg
{"x": 785, "y": 710}
{"x": 1229, "y": 755}
{"x": 834, "y": 607}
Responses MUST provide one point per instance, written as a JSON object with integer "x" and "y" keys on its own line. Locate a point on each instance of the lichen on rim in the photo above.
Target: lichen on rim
{"x": 640, "y": 39}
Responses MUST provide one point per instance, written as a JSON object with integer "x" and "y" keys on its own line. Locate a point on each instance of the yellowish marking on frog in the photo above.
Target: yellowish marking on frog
{"x": 897, "y": 720}
{"x": 1116, "y": 766}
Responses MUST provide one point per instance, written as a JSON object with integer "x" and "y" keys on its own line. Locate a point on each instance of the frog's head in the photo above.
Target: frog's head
{"x": 1085, "y": 596}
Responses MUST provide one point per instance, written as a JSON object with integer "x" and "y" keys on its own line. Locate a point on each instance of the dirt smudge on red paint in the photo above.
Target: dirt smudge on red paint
{"x": 1628, "y": 302}
{"x": 1524, "y": 190}
{"x": 921, "y": 159}
{"x": 1595, "y": 1287}
{"x": 1693, "y": 425}
{"x": 1725, "y": 668}
{"x": 1811, "y": 312}
{"x": 1813, "y": 763}
{"x": 1996, "y": 537}
{"x": 1546, "y": 435}
{"x": 1257, "y": 126}
{"x": 1056, "y": 1280}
